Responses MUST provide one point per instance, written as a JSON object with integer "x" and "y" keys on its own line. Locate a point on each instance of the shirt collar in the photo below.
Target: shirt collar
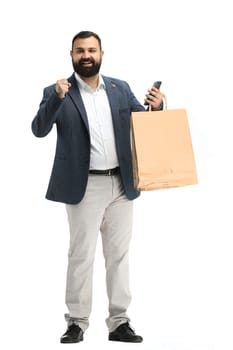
{"x": 86, "y": 87}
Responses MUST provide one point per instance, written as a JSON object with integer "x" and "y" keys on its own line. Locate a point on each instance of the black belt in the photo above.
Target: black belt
{"x": 108, "y": 172}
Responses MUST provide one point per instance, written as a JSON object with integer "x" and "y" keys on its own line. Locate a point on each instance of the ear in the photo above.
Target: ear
{"x": 71, "y": 53}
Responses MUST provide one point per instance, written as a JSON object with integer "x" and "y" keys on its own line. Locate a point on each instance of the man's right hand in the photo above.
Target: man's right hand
{"x": 62, "y": 87}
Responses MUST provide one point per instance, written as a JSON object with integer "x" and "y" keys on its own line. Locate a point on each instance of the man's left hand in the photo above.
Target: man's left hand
{"x": 154, "y": 98}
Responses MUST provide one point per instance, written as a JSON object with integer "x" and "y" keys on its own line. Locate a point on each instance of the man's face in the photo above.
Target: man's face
{"x": 86, "y": 57}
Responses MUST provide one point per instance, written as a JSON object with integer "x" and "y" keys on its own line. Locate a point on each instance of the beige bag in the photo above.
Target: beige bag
{"x": 162, "y": 150}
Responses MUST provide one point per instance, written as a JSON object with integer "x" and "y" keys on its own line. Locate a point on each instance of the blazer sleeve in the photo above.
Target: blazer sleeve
{"x": 135, "y": 105}
{"x": 47, "y": 114}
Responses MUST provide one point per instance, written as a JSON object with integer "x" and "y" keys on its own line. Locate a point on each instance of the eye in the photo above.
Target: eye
{"x": 92, "y": 50}
{"x": 79, "y": 50}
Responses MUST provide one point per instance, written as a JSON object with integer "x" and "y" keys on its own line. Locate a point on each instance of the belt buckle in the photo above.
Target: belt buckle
{"x": 109, "y": 172}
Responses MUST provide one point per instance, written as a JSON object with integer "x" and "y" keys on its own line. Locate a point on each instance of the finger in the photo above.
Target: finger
{"x": 152, "y": 96}
{"x": 67, "y": 84}
{"x": 155, "y": 90}
{"x": 149, "y": 97}
{"x": 63, "y": 82}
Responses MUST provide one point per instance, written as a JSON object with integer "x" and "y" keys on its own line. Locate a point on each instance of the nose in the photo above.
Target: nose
{"x": 85, "y": 54}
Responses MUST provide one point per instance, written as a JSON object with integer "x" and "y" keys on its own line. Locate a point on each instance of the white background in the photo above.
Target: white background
{"x": 181, "y": 253}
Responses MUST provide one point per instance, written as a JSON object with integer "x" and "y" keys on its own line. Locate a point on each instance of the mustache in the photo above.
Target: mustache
{"x": 87, "y": 60}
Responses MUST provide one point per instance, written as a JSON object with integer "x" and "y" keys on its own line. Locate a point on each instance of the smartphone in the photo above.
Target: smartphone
{"x": 157, "y": 84}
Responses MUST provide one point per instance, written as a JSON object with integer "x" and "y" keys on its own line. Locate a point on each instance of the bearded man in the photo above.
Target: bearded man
{"x": 93, "y": 175}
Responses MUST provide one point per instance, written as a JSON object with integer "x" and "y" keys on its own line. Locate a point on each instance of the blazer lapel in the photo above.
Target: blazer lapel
{"x": 111, "y": 93}
{"x": 75, "y": 96}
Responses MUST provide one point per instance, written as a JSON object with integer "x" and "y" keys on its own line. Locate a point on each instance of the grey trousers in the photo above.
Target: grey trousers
{"x": 104, "y": 209}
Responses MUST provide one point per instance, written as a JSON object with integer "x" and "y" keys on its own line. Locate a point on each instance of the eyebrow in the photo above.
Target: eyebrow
{"x": 82, "y": 48}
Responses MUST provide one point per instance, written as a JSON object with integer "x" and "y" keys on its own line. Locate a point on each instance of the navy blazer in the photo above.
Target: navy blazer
{"x": 69, "y": 175}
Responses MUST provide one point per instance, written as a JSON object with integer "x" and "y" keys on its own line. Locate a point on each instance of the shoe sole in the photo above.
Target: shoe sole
{"x": 126, "y": 340}
{"x": 71, "y": 342}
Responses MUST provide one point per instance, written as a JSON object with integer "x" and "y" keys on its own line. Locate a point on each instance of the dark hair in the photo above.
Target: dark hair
{"x": 86, "y": 34}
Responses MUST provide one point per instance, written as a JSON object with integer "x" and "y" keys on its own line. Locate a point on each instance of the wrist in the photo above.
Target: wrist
{"x": 159, "y": 108}
{"x": 60, "y": 95}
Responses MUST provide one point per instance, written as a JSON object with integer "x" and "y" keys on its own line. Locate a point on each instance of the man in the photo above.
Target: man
{"x": 92, "y": 174}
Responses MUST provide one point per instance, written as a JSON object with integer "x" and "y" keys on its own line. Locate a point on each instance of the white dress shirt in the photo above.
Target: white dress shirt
{"x": 103, "y": 147}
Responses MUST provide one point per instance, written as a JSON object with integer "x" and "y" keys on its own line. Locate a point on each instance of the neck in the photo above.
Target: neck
{"x": 92, "y": 81}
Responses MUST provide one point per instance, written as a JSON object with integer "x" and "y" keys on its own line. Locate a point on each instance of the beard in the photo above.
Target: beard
{"x": 86, "y": 72}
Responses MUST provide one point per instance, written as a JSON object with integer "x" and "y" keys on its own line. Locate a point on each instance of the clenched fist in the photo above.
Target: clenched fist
{"x": 62, "y": 87}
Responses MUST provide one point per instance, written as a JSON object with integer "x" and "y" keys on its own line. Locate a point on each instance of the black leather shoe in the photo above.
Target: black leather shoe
{"x": 125, "y": 333}
{"x": 74, "y": 334}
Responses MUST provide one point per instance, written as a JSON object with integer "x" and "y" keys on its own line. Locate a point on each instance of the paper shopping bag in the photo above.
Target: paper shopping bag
{"x": 162, "y": 149}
